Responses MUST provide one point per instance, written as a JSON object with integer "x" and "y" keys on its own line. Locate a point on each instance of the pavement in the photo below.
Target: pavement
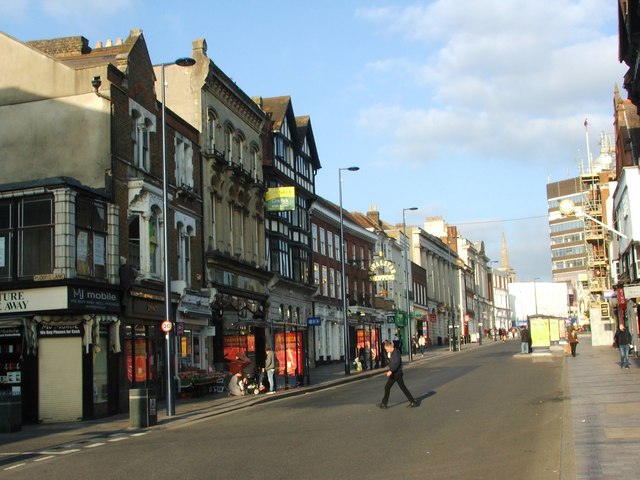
{"x": 601, "y": 409}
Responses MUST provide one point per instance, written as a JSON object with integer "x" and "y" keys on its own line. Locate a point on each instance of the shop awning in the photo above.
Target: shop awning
{"x": 194, "y": 307}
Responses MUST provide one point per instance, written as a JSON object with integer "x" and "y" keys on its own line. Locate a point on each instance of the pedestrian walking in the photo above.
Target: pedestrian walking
{"x": 573, "y": 339}
{"x": 525, "y": 339}
{"x": 394, "y": 375}
{"x": 623, "y": 339}
{"x": 422, "y": 342}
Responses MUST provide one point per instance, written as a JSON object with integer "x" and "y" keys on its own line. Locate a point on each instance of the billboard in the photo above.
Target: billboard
{"x": 280, "y": 199}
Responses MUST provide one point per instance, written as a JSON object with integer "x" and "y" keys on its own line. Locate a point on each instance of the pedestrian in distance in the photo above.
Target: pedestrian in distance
{"x": 394, "y": 375}
{"x": 422, "y": 342}
{"x": 623, "y": 339}
{"x": 525, "y": 339}
{"x": 270, "y": 368}
{"x": 573, "y": 339}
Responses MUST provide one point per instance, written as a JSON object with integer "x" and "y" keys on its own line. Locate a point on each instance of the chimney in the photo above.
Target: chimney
{"x": 373, "y": 214}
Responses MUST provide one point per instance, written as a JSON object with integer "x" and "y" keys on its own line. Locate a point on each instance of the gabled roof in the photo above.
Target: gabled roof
{"x": 306, "y": 132}
{"x": 279, "y": 108}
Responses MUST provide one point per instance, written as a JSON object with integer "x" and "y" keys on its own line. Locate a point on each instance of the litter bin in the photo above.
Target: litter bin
{"x": 439, "y": 341}
{"x": 10, "y": 412}
{"x": 143, "y": 407}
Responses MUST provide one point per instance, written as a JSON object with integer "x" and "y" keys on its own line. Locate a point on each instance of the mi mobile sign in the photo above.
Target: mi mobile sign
{"x": 280, "y": 199}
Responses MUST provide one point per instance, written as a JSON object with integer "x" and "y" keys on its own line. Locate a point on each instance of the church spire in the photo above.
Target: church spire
{"x": 504, "y": 261}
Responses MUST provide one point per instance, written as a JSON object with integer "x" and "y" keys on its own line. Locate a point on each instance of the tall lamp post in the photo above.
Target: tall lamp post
{"x": 171, "y": 407}
{"x": 535, "y": 295}
{"x": 345, "y": 316}
{"x": 406, "y": 279}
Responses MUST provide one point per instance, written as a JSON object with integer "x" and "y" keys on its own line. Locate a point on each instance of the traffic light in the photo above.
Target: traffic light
{"x": 604, "y": 310}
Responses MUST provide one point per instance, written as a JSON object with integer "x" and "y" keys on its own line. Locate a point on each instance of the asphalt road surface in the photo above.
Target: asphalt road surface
{"x": 485, "y": 413}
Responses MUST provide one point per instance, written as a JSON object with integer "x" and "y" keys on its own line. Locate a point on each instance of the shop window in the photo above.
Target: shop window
{"x": 91, "y": 235}
{"x": 100, "y": 385}
{"x": 140, "y": 353}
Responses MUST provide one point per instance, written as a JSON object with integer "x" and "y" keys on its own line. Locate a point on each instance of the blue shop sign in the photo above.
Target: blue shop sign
{"x": 313, "y": 321}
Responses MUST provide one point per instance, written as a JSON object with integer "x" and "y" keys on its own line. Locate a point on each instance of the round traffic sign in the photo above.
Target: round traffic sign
{"x": 166, "y": 326}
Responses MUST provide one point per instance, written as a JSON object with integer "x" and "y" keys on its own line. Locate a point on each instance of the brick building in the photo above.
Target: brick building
{"x": 83, "y": 224}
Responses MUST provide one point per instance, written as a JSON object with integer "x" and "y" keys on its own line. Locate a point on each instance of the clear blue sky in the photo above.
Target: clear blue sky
{"x": 464, "y": 109}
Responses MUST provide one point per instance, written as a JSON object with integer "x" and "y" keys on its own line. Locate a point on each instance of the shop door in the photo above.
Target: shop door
{"x": 60, "y": 379}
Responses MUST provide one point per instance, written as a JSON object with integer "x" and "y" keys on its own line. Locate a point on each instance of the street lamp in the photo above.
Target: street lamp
{"x": 535, "y": 295}
{"x": 171, "y": 408}
{"x": 406, "y": 277}
{"x": 345, "y": 316}
{"x": 568, "y": 208}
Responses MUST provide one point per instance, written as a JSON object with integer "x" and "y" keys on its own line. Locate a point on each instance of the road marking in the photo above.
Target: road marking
{"x": 43, "y": 458}
{"x": 94, "y": 445}
{"x": 15, "y": 466}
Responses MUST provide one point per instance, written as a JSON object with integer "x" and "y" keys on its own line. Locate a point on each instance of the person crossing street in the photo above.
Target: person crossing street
{"x": 394, "y": 375}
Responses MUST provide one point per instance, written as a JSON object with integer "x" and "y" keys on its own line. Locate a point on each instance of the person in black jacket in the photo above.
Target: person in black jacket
{"x": 394, "y": 374}
{"x": 623, "y": 339}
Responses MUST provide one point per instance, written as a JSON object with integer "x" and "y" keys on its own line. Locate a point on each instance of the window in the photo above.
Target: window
{"x": 255, "y": 162}
{"x": 184, "y": 162}
{"x": 325, "y": 281}
{"x": 332, "y": 283}
{"x": 323, "y": 246}
{"x": 35, "y": 236}
{"x": 91, "y": 238}
{"x": 241, "y": 145}
{"x": 314, "y": 237}
{"x": 155, "y": 233}
{"x": 140, "y": 139}
{"x": 134, "y": 242}
{"x": 6, "y": 226}
{"x": 228, "y": 144}
{"x": 330, "y": 244}
{"x": 338, "y": 249}
{"x": 211, "y": 132}
{"x": 316, "y": 274}
{"x": 184, "y": 253}
{"x": 142, "y": 124}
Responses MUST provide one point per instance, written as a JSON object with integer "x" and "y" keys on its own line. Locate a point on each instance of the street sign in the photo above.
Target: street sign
{"x": 313, "y": 321}
{"x": 166, "y": 326}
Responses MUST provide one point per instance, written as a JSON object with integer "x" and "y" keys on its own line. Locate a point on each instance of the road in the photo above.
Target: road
{"x": 486, "y": 413}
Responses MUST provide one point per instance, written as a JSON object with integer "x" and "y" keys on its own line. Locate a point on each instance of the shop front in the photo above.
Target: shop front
{"x": 143, "y": 344}
{"x": 58, "y": 354}
{"x": 195, "y": 334}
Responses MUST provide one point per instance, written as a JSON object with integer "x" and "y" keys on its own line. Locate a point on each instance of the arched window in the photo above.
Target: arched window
{"x": 184, "y": 253}
{"x": 155, "y": 234}
{"x": 228, "y": 144}
{"x": 211, "y": 132}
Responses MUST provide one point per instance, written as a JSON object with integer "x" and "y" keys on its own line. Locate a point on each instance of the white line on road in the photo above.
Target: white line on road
{"x": 15, "y": 466}
{"x": 94, "y": 445}
{"x": 43, "y": 458}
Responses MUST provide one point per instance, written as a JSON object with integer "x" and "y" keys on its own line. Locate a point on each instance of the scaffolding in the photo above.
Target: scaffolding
{"x": 595, "y": 192}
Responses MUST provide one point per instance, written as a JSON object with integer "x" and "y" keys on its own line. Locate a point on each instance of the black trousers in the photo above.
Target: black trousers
{"x": 399, "y": 380}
